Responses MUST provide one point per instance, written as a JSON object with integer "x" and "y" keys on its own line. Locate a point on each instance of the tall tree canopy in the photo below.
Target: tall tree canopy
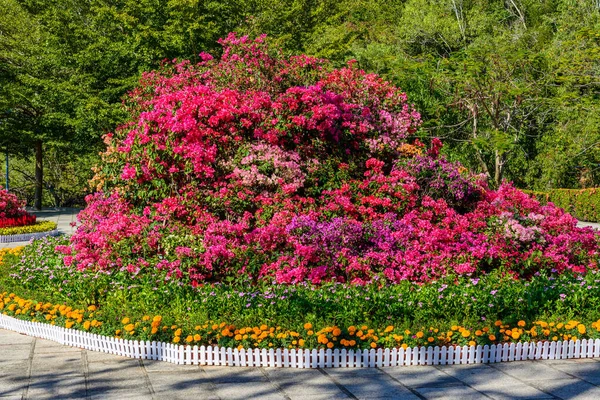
{"x": 511, "y": 85}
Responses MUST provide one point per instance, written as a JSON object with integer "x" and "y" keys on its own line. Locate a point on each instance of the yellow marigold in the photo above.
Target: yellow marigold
{"x": 472, "y": 343}
{"x": 515, "y": 335}
{"x": 178, "y": 332}
{"x": 492, "y": 337}
{"x": 154, "y": 330}
{"x": 373, "y": 345}
{"x": 466, "y": 333}
{"x": 263, "y": 327}
{"x": 307, "y": 326}
{"x": 430, "y": 339}
{"x": 125, "y": 321}
{"x": 129, "y": 327}
{"x": 189, "y": 339}
{"x": 420, "y": 334}
{"x": 521, "y": 323}
{"x": 581, "y": 329}
{"x": 68, "y": 324}
{"x": 498, "y": 323}
{"x": 118, "y": 332}
{"x": 478, "y": 332}
{"x": 92, "y": 308}
{"x": 301, "y": 342}
{"x": 337, "y": 332}
{"x": 157, "y": 318}
{"x": 146, "y": 318}
{"x": 330, "y": 345}
{"x": 388, "y": 329}
{"x": 176, "y": 339}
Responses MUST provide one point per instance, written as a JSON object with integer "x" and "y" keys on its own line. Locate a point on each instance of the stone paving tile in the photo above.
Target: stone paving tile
{"x": 588, "y": 371}
{"x": 234, "y": 375}
{"x": 461, "y": 392}
{"x": 374, "y": 385}
{"x": 59, "y": 362}
{"x": 8, "y": 338}
{"x": 493, "y": 382}
{"x": 157, "y": 366}
{"x": 56, "y": 386}
{"x": 97, "y": 356}
{"x": 569, "y": 388}
{"x": 116, "y": 376}
{"x": 303, "y": 384}
{"x": 182, "y": 385}
{"x": 16, "y": 352}
{"x": 13, "y": 366}
{"x": 530, "y": 370}
{"x": 12, "y": 385}
{"x": 248, "y": 390}
{"x": 422, "y": 376}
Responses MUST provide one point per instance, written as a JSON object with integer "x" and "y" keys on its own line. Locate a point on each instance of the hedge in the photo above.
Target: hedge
{"x": 584, "y": 204}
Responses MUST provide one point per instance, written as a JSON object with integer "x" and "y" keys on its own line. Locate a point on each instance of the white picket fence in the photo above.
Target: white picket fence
{"x": 184, "y": 354}
{"x": 25, "y": 237}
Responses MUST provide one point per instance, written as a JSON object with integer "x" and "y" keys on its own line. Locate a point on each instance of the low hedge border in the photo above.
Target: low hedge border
{"x": 307, "y": 358}
{"x": 584, "y": 204}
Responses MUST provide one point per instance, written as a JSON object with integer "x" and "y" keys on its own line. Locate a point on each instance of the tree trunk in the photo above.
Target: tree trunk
{"x": 498, "y": 164}
{"x": 39, "y": 175}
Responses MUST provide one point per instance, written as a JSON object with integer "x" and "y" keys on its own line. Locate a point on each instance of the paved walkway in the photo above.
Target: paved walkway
{"x": 39, "y": 369}
{"x": 62, "y": 216}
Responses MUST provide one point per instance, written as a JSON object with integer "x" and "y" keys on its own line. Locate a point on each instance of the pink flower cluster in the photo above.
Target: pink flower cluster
{"x": 268, "y": 167}
{"x": 12, "y": 212}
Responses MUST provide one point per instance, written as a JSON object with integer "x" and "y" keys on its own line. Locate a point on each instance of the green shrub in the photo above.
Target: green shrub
{"x": 40, "y": 226}
{"x": 584, "y": 204}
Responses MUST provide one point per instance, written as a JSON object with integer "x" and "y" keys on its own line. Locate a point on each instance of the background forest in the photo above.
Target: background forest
{"x": 512, "y": 87}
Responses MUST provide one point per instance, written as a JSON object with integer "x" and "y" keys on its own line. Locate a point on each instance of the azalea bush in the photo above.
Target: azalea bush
{"x": 12, "y": 212}
{"x": 257, "y": 167}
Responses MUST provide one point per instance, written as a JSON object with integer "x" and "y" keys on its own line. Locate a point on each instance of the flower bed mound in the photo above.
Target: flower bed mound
{"x": 257, "y": 166}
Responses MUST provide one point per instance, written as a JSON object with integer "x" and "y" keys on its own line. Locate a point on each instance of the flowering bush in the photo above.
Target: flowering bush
{"x": 12, "y": 213}
{"x": 257, "y": 166}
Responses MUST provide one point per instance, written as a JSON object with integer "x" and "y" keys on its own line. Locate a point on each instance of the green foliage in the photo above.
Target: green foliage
{"x": 39, "y": 226}
{"x": 66, "y": 177}
{"x": 584, "y": 204}
{"x": 512, "y": 86}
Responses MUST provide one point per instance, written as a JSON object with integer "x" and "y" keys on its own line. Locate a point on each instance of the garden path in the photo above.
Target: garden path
{"x": 62, "y": 216}
{"x": 33, "y": 368}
